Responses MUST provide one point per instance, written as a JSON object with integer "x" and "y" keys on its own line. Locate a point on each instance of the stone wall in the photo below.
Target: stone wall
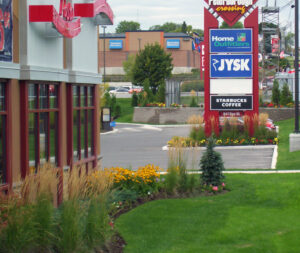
{"x": 155, "y": 115}
{"x": 277, "y": 114}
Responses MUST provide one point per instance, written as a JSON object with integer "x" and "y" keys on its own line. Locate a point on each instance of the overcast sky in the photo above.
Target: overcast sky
{"x": 157, "y": 12}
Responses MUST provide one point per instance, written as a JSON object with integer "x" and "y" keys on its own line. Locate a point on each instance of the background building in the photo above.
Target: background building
{"x": 119, "y": 46}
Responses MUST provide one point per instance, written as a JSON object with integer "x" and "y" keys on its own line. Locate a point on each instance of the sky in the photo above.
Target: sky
{"x": 156, "y": 12}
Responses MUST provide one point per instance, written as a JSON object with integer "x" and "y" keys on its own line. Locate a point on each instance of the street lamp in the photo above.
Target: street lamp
{"x": 296, "y": 6}
{"x": 104, "y": 76}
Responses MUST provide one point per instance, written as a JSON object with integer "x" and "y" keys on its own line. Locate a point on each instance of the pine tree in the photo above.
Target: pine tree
{"x": 286, "y": 96}
{"x": 211, "y": 165}
{"x": 276, "y": 93}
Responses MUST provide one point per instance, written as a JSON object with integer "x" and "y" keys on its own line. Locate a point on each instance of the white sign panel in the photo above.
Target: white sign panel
{"x": 231, "y": 86}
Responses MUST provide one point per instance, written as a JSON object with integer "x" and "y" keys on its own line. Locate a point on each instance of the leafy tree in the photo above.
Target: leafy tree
{"x": 276, "y": 93}
{"x": 286, "y": 96}
{"x": 125, "y": 26}
{"x": 167, "y": 27}
{"x": 200, "y": 32}
{"x": 238, "y": 24}
{"x": 161, "y": 93}
{"x": 128, "y": 67}
{"x": 211, "y": 165}
{"x": 154, "y": 64}
{"x": 289, "y": 42}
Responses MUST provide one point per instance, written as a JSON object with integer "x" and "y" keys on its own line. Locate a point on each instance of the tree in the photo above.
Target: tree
{"x": 200, "y": 32}
{"x": 154, "y": 64}
{"x": 125, "y": 26}
{"x": 211, "y": 165}
{"x": 167, "y": 27}
{"x": 128, "y": 67}
{"x": 276, "y": 93}
{"x": 184, "y": 27}
{"x": 238, "y": 24}
{"x": 289, "y": 42}
{"x": 286, "y": 96}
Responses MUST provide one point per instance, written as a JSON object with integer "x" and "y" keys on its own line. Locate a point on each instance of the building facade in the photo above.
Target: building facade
{"x": 49, "y": 95}
{"x": 118, "y": 47}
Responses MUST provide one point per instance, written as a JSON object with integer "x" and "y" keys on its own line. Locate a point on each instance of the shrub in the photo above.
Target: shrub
{"x": 276, "y": 93}
{"x": 134, "y": 100}
{"x": 286, "y": 96}
{"x": 193, "y": 102}
{"x": 211, "y": 165}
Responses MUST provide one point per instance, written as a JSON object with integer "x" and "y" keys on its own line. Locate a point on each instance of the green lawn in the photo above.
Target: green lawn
{"x": 259, "y": 215}
{"x": 126, "y": 110}
{"x": 187, "y": 100}
{"x": 286, "y": 160}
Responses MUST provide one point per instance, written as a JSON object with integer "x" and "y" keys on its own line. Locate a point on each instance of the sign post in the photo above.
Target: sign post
{"x": 231, "y": 75}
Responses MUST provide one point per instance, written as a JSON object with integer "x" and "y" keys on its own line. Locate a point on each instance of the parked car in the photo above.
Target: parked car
{"x": 119, "y": 90}
{"x": 136, "y": 89}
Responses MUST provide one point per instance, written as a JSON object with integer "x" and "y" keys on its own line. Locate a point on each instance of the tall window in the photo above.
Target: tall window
{"x": 83, "y": 122}
{"x": 42, "y": 124}
{"x": 3, "y": 134}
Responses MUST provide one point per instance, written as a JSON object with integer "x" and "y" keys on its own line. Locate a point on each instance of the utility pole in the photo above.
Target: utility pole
{"x": 296, "y": 66}
{"x": 104, "y": 74}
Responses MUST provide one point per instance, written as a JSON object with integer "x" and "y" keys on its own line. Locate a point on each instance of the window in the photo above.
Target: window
{"x": 3, "y": 134}
{"x": 82, "y": 119}
{"x": 42, "y": 124}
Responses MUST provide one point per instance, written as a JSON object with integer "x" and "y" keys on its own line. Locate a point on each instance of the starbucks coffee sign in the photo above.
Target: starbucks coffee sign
{"x": 231, "y": 10}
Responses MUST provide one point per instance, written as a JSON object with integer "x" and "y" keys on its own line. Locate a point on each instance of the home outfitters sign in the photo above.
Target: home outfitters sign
{"x": 231, "y": 72}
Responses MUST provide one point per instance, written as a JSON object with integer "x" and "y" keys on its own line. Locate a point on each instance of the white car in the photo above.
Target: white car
{"x": 120, "y": 90}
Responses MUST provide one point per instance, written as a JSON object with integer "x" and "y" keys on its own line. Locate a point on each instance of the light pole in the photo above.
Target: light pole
{"x": 104, "y": 76}
{"x": 296, "y": 66}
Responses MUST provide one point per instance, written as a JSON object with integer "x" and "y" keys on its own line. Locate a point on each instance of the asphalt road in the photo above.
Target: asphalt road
{"x": 132, "y": 146}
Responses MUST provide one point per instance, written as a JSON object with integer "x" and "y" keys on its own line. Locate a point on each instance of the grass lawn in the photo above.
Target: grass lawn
{"x": 259, "y": 215}
{"x": 187, "y": 100}
{"x": 126, "y": 110}
{"x": 286, "y": 160}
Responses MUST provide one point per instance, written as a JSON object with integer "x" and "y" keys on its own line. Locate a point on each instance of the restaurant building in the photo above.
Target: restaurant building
{"x": 49, "y": 95}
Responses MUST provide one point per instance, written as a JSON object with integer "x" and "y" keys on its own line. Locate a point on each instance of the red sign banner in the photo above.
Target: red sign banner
{"x": 231, "y": 10}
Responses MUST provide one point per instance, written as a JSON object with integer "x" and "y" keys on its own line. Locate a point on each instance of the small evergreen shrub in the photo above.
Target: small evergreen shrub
{"x": 286, "y": 96}
{"x": 276, "y": 93}
{"x": 211, "y": 165}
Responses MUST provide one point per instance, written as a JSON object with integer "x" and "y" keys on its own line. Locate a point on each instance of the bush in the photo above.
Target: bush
{"x": 134, "y": 100}
{"x": 286, "y": 96}
{"x": 276, "y": 93}
{"x": 193, "y": 102}
{"x": 211, "y": 165}
{"x": 188, "y": 86}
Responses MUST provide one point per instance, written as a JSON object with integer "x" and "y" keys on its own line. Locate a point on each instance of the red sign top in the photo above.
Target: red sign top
{"x": 231, "y": 10}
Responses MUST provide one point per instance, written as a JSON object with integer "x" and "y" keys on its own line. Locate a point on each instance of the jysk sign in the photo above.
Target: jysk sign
{"x": 230, "y": 66}
{"x": 231, "y": 103}
{"x": 230, "y": 40}
{"x": 115, "y": 44}
{"x": 173, "y": 44}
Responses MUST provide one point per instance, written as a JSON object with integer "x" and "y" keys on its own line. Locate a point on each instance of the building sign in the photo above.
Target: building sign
{"x": 175, "y": 44}
{"x": 67, "y": 21}
{"x": 6, "y": 29}
{"x": 230, "y": 40}
{"x": 230, "y": 66}
{"x": 115, "y": 44}
{"x": 230, "y": 10}
{"x": 231, "y": 103}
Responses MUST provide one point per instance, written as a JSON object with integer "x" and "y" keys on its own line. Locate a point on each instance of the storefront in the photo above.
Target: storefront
{"x": 49, "y": 94}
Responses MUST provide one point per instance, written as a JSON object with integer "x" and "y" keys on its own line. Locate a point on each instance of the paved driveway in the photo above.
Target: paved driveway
{"x": 137, "y": 145}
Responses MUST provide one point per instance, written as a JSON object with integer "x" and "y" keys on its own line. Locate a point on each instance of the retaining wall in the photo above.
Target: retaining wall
{"x": 156, "y": 115}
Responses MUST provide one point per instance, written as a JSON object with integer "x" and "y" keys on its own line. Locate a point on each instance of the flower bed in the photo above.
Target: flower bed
{"x": 189, "y": 142}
